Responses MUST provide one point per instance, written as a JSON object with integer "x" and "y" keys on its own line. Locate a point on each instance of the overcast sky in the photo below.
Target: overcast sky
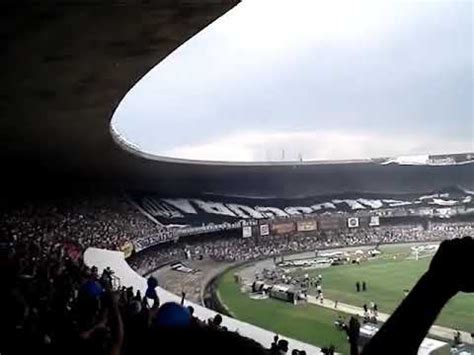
{"x": 320, "y": 79}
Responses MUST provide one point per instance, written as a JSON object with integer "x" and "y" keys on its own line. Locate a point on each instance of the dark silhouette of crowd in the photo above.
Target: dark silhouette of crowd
{"x": 53, "y": 304}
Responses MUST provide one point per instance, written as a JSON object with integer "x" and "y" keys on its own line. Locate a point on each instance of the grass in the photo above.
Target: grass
{"x": 386, "y": 278}
{"x": 313, "y": 325}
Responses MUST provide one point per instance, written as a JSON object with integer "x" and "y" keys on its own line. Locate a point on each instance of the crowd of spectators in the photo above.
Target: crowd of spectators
{"x": 233, "y": 249}
{"x": 80, "y": 221}
{"x": 440, "y": 229}
{"x": 151, "y": 259}
{"x": 54, "y": 304}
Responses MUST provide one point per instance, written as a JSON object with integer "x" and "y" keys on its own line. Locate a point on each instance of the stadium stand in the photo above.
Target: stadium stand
{"x": 58, "y": 304}
{"x": 130, "y": 278}
{"x": 232, "y": 249}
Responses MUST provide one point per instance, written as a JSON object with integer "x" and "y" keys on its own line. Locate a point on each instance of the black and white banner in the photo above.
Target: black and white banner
{"x": 353, "y": 222}
{"x": 246, "y": 231}
{"x": 264, "y": 230}
{"x": 374, "y": 221}
{"x": 151, "y": 240}
{"x": 209, "y": 228}
{"x": 218, "y": 209}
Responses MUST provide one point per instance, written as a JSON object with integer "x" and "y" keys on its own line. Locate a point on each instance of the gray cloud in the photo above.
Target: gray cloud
{"x": 397, "y": 71}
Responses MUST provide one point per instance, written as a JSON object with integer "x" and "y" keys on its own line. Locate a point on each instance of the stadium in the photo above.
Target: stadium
{"x": 107, "y": 249}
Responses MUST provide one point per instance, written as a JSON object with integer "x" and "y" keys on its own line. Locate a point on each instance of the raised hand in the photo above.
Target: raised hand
{"x": 452, "y": 265}
{"x": 450, "y": 271}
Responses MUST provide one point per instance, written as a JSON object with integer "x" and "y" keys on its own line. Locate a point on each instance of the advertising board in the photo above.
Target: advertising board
{"x": 306, "y": 226}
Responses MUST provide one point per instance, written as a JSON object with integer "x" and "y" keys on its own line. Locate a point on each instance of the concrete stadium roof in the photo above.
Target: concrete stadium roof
{"x": 65, "y": 66}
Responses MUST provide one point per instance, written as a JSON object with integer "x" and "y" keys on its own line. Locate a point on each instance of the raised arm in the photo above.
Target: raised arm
{"x": 116, "y": 326}
{"x": 450, "y": 272}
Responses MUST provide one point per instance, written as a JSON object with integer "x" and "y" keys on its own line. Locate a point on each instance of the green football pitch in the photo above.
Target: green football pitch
{"x": 386, "y": 278}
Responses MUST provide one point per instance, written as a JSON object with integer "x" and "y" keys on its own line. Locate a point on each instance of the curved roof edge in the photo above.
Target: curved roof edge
{"x": 135, "y": 150}
{"x": 425, "y": 159}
